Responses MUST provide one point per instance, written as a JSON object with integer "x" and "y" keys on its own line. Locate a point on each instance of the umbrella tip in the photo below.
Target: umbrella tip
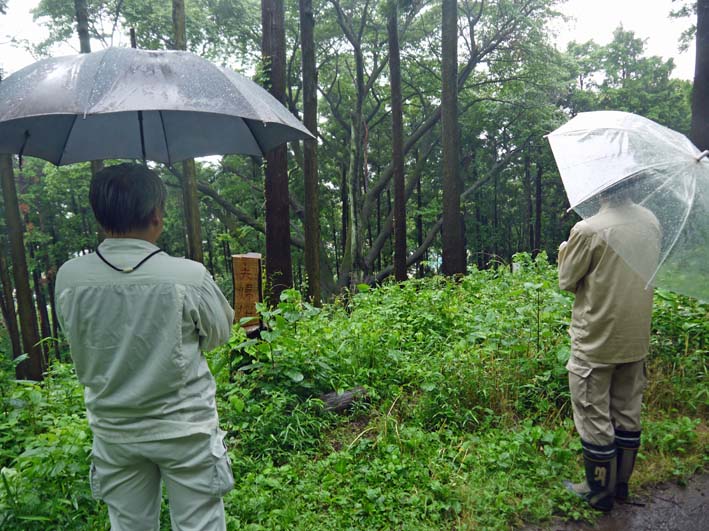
{"x": 702, "y": 155}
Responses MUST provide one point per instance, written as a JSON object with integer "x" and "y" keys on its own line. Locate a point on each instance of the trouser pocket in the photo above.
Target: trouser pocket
{"x": 223, "y": 480}
{"x": 95, "y": 482}
{"x": 579, "y": 383}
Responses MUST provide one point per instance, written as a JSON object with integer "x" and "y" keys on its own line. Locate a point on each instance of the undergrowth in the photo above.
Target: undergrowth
{"x": 466, "y": 423}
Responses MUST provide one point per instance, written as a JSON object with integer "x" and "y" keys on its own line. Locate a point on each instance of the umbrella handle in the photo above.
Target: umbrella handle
{"x": 702, "y": 155}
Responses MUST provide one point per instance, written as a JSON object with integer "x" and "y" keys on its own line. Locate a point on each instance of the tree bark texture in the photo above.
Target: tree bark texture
{"x": 9, "y": 313}
{"x": 538, "y": 206}
{"x": 190, "y": 199}
{"x": 32, "y": 368}
{"x": 82, "y": 26}
{"x": 279, "y": 274}
{"x": 700, "y": 91}
{"x": 397, "y": 141}
{"x": 310, "y": 152}
{"x": 453, "y": 245}
{"x": 529, "y": 207}
{"x": 82, "y": 29}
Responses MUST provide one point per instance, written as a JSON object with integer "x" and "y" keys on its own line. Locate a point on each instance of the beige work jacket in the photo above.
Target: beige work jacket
{"x": 613, "y": 308}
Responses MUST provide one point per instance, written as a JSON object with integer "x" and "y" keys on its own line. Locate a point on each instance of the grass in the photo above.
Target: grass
{"x": 466, "y": 426}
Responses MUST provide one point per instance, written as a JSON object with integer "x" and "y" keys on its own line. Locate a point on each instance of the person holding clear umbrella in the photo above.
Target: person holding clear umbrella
{"x": 137, "y": 321}
{"x": 610, "y": 333}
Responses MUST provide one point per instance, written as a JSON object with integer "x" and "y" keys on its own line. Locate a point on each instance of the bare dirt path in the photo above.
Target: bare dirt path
{"x": 667, "y": 507}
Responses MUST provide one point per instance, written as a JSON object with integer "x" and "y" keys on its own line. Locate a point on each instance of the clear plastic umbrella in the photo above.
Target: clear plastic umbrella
{"x": 164, "y": 106}
{"x": 610, "y": 152}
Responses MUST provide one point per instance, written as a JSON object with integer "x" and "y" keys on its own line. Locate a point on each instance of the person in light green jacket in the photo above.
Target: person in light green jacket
{"x": 137, "y": 322}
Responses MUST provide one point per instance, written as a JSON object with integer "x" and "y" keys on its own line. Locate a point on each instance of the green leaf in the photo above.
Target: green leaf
{"x": 294, "y": 375}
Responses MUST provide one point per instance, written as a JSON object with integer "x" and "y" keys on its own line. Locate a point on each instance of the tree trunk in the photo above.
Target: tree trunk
{"x": 279, "y": 274}
{"x": 420, "y": 270}
{"x": 9, "y": 313}
{"x": 352, "y": 256}
{"x": 55, "y": 320}
{"x": 349, "y": 254}
{"x": 453, "y": 245}
{"x": 397, "y": 140}
{"x": 344, "y": 200}
{"x": 538, "y": 207}
{"x": 82, "y": 26}
{"x": 210, "y": 252}
{"x": 82, "y": 29}
{"x": 310, "y": 153}
{"x": 700, "y": 92}
{"x": 190, "y": 199}
{"x": 41, "y": 301}
{"x": 529, "y": 208}
{"x": 32, "y": 368}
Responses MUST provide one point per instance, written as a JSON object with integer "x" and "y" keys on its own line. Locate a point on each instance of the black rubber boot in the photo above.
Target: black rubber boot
{"x": 627, "y": 443}
{"x": 600, "y": 465}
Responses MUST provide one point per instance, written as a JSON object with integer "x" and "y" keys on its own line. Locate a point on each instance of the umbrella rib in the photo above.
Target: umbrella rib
{"x": 164, "y": 136}
{"x": 66, "y": 140}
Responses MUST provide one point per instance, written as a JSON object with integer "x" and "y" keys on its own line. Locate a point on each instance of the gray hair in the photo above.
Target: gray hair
{"x": 125, "y": 196}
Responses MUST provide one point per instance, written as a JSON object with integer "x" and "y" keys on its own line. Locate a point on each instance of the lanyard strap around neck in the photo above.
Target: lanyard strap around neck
{"x": 127, "y": 269}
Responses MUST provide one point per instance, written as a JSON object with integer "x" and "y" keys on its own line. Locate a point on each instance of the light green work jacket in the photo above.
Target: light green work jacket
{"x": 137, "y": 340}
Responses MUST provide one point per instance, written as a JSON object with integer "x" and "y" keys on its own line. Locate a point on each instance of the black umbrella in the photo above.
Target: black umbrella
{"x": 164, "y": 106}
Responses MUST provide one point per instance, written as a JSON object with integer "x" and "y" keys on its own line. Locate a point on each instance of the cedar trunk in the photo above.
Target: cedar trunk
{"x": 700, "y": 91}
{"x": 32, "y": 368}
{"x": 8, "y": 309}
{"x": 310, "y": 153}
{"x": 453, "y": 246}
{"x": 190, "y": 199}
{"x": 538, "y": 207}
{"x": 82, "y": 28}
{"x": 397, "y": 149}
{"x": 279, "y": 275}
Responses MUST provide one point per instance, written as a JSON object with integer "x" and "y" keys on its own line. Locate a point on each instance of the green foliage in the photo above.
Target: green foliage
{"x": 466, "y": 424}
{"x": 44, "y": 450}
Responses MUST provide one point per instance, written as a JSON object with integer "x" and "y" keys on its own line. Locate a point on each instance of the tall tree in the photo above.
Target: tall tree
{"x": 279, "y": 274}
{"x": 397, "y": 142}
{"x": 190, "y": 199}
{"x": 700, "y": 91}
{"x": 452, "y": 229}
{"x": 310, "y": 151}
{"x": 82, "y": 28}
{"x": 8, "y": 305}
{"x": 32, "y": 368}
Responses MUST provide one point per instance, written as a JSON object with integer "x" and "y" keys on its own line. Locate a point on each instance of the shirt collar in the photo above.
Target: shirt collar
{"x": 126, "y": 244}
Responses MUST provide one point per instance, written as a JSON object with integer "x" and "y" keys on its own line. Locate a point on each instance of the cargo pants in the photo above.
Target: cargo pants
{"x": 196, "y": 472}
{"x": 606, "y": 398}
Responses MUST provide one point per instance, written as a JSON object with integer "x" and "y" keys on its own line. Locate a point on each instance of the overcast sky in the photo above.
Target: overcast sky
{"x": 594, "y": 19}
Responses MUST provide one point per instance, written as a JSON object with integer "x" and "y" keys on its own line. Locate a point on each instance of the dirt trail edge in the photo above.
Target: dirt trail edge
{"x": 667, "y": 507}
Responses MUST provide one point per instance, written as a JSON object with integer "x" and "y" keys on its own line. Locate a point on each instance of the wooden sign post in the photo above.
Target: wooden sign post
{"x": 247, "y": 288}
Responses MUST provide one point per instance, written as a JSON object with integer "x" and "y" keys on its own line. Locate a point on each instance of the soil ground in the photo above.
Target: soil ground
{"x": 665, "y": 507}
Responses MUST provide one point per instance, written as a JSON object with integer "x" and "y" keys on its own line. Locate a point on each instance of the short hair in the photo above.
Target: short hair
{"x": 125, "y": 196}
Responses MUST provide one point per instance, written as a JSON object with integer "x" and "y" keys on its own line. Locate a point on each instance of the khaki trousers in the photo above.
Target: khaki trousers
{"x": 606, "y": 397}
{"x": 196, "y": 472}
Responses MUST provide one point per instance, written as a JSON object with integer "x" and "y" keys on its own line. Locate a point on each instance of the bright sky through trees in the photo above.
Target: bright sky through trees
{"x": 594, "y": 19}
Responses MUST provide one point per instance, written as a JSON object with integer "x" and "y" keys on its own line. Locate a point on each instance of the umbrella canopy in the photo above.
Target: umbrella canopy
{"x": 164, "y": 106}
{"x": 612, "y": 154}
